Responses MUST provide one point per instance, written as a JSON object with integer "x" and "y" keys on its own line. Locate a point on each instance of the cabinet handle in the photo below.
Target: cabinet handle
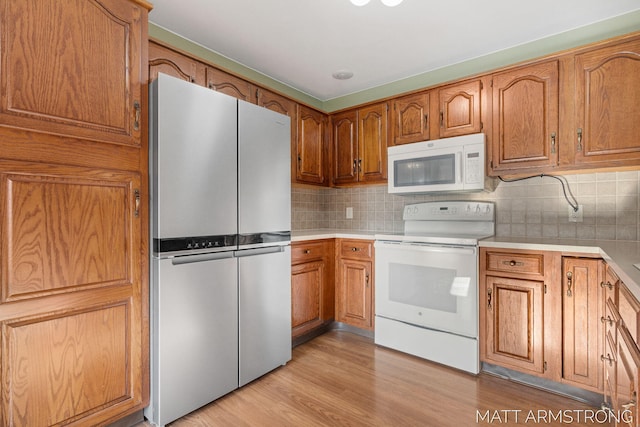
{"x": 553, "y": 142}
{"x": 607, "y": 319}
{"x": 607, "y": 358}
{"x": 489, "y": 299}
{"x": 606, "y": 285}
{"x": 426, "y": 121}
{"x": 136, "y": 211}
{"x": 569, "y": 283}
{"x": 354, "y": 249}
{"x": 136, "y": 120}
{"x": 630, "y": 404}
{"x": 513, "y": 263}
{"x": 359, "y": 165}
{"x": 579, "y": 148}
{"x": 441, "y": 119}
{"x": 355, "y": 166}
{"x": 366, "y": 278}
{"x": 307, "y": 251}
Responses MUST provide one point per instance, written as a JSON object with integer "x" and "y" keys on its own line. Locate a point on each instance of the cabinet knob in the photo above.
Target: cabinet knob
{"x": 307, "y": 251}
{"x": 354, "y": 249}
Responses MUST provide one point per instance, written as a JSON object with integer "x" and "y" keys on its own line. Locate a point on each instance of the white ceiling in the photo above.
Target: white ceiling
{"x": 302, "y": 42}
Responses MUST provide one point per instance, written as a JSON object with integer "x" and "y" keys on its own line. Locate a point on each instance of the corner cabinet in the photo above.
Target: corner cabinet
{"x": 582, "y": 324}
{"x": 355, "y": 283}
{"x": 73, "y": 211}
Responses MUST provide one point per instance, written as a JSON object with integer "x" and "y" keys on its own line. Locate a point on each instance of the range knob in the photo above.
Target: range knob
{"x": 478, "y": 208}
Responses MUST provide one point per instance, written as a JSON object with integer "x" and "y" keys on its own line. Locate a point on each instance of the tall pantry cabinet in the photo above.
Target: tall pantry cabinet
{"x": 73, "y": 211}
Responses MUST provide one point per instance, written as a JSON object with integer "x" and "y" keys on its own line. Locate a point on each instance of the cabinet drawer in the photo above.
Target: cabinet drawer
{"x": 356, "y": 249}
{"x": 529, "y": 263}
{"x": 307, "y": 251}
{"x": 610, "y": 285}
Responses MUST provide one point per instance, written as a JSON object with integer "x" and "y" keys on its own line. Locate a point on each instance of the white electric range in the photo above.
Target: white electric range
{"x": 426, "y": 298}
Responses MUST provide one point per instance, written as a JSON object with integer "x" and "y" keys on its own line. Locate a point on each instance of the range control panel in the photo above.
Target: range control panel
{"x": 450, "y": 211}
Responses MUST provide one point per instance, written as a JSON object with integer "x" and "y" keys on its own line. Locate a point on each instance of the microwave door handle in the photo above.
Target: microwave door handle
{"x": 459, "y": 156}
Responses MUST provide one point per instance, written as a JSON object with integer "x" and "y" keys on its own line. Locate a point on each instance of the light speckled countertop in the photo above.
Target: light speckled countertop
{"x": 621, "y": 255}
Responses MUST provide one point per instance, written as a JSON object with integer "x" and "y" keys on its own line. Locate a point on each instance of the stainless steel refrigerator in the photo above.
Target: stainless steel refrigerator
{"x": 221, "y": 261}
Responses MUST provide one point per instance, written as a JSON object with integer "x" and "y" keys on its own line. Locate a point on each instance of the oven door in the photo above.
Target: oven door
{"x": 432, "y": 286}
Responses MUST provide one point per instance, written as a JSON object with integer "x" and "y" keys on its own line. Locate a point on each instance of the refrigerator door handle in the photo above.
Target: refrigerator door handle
{"x": 188, "y": 259}
{"x": 258, "y": 251}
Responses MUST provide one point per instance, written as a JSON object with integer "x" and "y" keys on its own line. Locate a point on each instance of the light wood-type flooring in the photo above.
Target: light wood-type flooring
{"x": 343, "y": 379}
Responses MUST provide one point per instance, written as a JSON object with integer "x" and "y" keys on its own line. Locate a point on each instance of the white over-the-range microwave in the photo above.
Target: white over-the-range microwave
{"x": 443, "y": 165}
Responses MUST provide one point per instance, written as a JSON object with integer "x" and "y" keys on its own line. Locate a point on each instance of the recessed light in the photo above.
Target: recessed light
{"x": 342, "y": 75}
{"x": 359, "y": 2}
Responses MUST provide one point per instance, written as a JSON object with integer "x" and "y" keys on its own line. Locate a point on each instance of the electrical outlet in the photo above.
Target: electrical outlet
{"x": 349, "y": 213}
{"x": 575, "y": 216}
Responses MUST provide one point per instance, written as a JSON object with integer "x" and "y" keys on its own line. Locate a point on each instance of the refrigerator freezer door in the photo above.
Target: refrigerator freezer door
{"x": 265, "y": 311}
{"x": 195, "y": 342}
{"x": 264, "y": 170}
{"x": 194, "y": 168}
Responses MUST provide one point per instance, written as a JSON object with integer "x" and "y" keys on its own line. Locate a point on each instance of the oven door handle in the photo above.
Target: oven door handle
{"x": 426, "y": 247}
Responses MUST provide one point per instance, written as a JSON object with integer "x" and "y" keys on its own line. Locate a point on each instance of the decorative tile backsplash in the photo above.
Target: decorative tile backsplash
{"x": 534, "y": 207}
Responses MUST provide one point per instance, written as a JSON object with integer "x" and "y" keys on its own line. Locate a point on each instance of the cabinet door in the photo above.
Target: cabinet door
{"x": 582, "y": 298}
{"x": 311, "y": 160}
{"x": 168, "y": 61}
{"x": 231, "y": 85}
{"x": 627, "y": 385}
{"x": 306, "y": 296}
{"x": 410, "y": 121}
{"x": 607, "y": 92}
{"x": 74, "y": 68}
{"x": 73, "y": 297}
{"x": 345, "y": 143}
{"x": 460, "y": 109}
{"x": 525, "y": 119}
{"x": 372, "y": 143}
{"x": 354, "y": 302}
{"x": 514, "y": 323}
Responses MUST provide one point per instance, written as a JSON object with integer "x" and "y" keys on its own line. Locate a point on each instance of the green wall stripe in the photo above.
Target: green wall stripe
{"x": 616, "y": 26}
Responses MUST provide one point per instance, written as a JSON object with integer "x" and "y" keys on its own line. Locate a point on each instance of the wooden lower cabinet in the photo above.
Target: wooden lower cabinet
{"x": 514, "y": 323}
{"x": 354, "y": 283}
{"x": 520, "y": 311}
{"x": 312, "y": 287}
{"x": 582, "y": 324}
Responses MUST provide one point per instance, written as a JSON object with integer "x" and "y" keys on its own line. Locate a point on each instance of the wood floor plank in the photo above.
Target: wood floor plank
{"x": 342, "y": 379}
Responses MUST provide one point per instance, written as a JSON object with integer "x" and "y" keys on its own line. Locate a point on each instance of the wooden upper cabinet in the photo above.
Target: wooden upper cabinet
{"x": 607, "y": 97}
{"x": 310, "y": 161}
{"x": 460, "y": 108}
{"x": 74, "y": 68}
{"x": 525, "y": 119}
{"x": 360, "y": 145}
{"x": 221, "y": 81}
{"x": 410, "y": 119}
{"x": 372, "y": 143}
{"x": 168, "y": 61}
{"x": 345, "y": 144}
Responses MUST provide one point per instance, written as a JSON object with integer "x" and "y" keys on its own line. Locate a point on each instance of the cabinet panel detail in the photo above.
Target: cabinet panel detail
{"x": 306, "y": 289}
{"x": 76, "y": 363}
{"x": 607, "y": 91}
{"x": 63, "y": 233}
{"x": 52, "y": 78}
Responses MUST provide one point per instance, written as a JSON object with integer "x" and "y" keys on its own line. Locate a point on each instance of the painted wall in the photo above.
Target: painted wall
{"x": 577, "y": 37}
{"x": 531, "y": 208}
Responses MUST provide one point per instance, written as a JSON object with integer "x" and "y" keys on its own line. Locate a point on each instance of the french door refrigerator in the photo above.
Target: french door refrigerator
{"x": 221, "y": 261}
